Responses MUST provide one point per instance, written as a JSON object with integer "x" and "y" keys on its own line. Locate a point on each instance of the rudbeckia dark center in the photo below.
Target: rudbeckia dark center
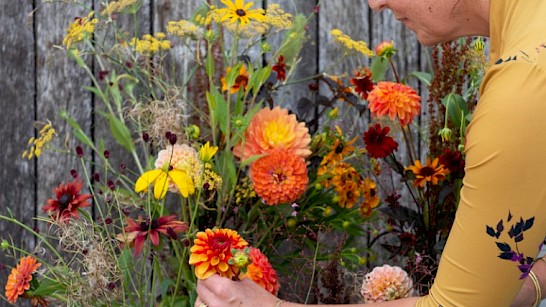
{"x": 65, "y": 200}
{"x": 146, "y": 225}
{"x": 241, "y": 12}
{"x": 427, "y": 171}
{"x": 339, "y": 149}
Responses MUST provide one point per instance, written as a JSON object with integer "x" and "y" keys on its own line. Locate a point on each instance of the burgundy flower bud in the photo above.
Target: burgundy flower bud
{"x": 79, "y": 151}
{"x": 96, "y": 177}
{"x": 111, "y": 185}
{"x": 122, "y": 166}
{"x": 108, "y": 221}
{"x": 103, "y": 74}
{"x": 106, "y": 154}
{"x": 74, "y": 173}
{"x": 145, "y": 137}
{"x": 172, "y": 139}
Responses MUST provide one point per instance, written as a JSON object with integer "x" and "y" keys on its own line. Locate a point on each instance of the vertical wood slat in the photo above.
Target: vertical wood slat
{"x": 17, "y": 64}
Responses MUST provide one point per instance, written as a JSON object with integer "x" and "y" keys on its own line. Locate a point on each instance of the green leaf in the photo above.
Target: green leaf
{"x": 379, "y": 68}
{"x": 77, "y": 130}
{"x": 120, "y": 132}
{"x": 424, "y": 77}
{"x": 251, "y": 159}
{"x": 48, "y": 287}
{"x": 293, "y": 40}
{"x": 219, "y": 109}
{"x": 456, "y": 109}
{"x": 209, "y": 65}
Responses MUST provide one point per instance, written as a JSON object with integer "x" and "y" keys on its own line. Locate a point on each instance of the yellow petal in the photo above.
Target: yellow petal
{"x": 183, "y": 181}
{"x": 161, "y": 186}
{"x": 196, "y": 258}
{"x": 223, "y": 266}
{"x": 146, "y": 179}
{"x": 201, "y": 269}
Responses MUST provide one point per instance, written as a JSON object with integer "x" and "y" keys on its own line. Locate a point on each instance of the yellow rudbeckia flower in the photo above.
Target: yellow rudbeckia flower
{"x": 207, "y": 152}
{"x": 239, "y": 11}
{"x": 160, "y": 179}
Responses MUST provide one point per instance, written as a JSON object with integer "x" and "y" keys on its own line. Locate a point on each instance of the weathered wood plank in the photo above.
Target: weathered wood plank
{"x": 17, "y": 187}
{"x": 59, "y": 87}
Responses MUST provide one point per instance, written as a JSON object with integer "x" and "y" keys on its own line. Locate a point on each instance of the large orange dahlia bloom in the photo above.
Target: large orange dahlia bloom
{"x": 261, "y": 271}
{"x": 274, "y": 129}
{"x": 211, "y": 252}
{"x": 394, "y": 100}
{"x": 20, "y": 277}
{"x": 279, "y": 177}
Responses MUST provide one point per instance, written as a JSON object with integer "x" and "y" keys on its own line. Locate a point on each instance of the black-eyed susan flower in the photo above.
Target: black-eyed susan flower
{"x": 67, "y": 201}
{"x": 432, "y": 172}
{"x": 238, "y": 11}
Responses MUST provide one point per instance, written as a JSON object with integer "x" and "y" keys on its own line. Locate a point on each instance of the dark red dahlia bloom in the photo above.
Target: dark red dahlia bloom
{"x": 378, "y": 144}
{"x": 67, "y": 201}
{"x": 363, "y": 82}
{"x": 453, "y": 161}
{"x": 137, "y": 231}
{"x": 280, "y": 69}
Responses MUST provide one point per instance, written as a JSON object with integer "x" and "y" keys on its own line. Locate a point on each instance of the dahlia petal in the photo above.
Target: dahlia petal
{"x": 200, "y": 269}
{"x": 214, "y": 261}
{"x": 223, "y": 267}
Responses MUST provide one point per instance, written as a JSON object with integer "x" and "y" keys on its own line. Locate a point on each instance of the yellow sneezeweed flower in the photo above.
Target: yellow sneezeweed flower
{"x": 211, "y": 180}
{"x": 80, "y": 29}
{"x": 184, "y": 28}
{"x": 117, "y": 6}
{"x": 45, "y": 135}
{"x": 150, "y": 45}
{"x": 207, "y": 152}
{"x": 347, "y": 42}
{"x": 160, "y": 179}
{"x": 238, "y": 11}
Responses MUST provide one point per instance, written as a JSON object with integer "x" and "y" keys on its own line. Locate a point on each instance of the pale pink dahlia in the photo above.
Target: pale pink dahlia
{"x": 181, "y": 157}
{"x": 386, "y": 283}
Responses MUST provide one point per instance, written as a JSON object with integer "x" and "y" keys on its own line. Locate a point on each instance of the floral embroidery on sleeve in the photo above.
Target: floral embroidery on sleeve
{"x": 516, "y": 234}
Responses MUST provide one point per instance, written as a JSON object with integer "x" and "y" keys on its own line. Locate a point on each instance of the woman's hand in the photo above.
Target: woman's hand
{"x": 217, "y": 291}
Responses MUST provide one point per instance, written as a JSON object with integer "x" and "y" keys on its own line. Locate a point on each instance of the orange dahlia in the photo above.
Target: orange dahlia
{"x": 394, "y": 100}
{"x": 20, "y": 277}
{"x": 211, "y": 252}
{"x": 274, "y": 129}
{"x": 279, "y": 177}
{"x": 432, "y": 172}
{"x": 261, "y": 272}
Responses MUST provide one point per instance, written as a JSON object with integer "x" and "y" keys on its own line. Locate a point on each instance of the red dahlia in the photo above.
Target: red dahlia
{"x": 378, "y": 144}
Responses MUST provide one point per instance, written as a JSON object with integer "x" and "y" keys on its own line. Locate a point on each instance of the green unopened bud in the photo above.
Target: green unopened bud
{"x": 318, "y": 186}
{"x": 291, "y": 222}
{"x": 445, "y": 133}
{"x": 460, "y": 147}
{"x": 333, "y": 113}
{"x": 346, "y": 224}
{"x": 327, "y": 211}
{"x": 241, "y": 257}
{"x": 4, "y": 245}
{"x": 193, "y": 131}
{"x": 210, "y": 36}
{"x": 362, "y": 261}
{"x": 266, "y": 47}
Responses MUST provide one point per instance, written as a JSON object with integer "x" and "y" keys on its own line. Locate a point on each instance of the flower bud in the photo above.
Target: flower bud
{"x": 4, "y": 245}
{"x": 291, "y": 222}
{"x": 266, "y": 47}
{"x": 446, "y": 134}
{"x": 241, "y": 257}
{"x": 333, "y": 113}
{"x": 460, "y": 147}
{"x": 386, "y": 49}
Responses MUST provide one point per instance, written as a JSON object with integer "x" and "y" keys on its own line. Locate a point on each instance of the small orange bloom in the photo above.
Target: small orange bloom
{"x": 240, "y": 82}
{"x": 274, "y": 129}
{"x": 261, "y": 272}
{"x": 432, "y": 172}
{"x": 394, "y": 100}
{"x": 20, "y": 277}
{"x": 279, "y": 177}
{"x": 211, "y": 252}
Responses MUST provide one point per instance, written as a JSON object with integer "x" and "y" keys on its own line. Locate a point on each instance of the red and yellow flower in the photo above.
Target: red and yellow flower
{"x": 211, "y": 252}
{"x": 20, "y": 277}
{"x": 395, "y": 100}
{"x": 279, "y": 177}
{"x": 138, "y": 231}
{"x": 241, "y": 81}
{"x": 362, "y": 82}
{"x": 67, "y": 201}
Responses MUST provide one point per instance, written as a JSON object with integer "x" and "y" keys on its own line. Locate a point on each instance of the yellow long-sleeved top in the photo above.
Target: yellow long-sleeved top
{"x": 501, "y": 218}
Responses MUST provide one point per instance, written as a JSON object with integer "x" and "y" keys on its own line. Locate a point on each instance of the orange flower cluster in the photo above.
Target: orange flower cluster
{"x": 395, "y": 100}
{"x": 279, "y": 176}
{"x": 211, "y": 252}
{"x": 20, "y": 277}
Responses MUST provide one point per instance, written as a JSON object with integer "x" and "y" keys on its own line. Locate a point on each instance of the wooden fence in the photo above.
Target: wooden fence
{"x": 38, "y": 81}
